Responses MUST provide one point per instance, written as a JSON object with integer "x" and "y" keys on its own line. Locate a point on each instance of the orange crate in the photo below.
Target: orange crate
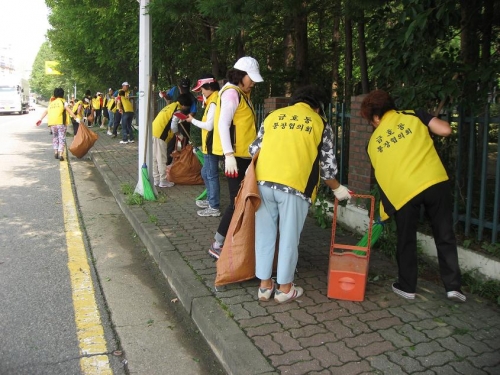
{"x": 348, "y": 271}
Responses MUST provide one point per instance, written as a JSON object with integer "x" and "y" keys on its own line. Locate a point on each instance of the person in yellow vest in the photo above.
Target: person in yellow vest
{"x": 96, "y": 106}
{"x": 409, "y": 174}
{"x": 296, "y": 150}
{"x": 111, "y": 109}
{"x": 209, "y": 88}
{"x": 59, "y": 112}
{"x": 165, "y": 125}
{"x": 78, "y": 109}
{"x": 234, "y": 130}
{"x": 126, "y": 109}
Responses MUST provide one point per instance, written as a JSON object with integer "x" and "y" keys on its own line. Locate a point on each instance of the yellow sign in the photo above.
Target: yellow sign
{"x": 50, "y": 67}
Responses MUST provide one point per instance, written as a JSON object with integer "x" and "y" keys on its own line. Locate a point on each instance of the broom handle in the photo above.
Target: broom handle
{"x": 185, "y": 132}
{"x": 147, "y": 121}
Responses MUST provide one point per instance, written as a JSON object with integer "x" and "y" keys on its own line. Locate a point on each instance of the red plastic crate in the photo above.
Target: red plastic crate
{"x": 348, "y": 271}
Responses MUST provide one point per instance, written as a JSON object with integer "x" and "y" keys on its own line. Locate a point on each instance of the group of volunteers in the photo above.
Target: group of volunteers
{"x": 111, "y": 110}
{"x": 293, "y": 149}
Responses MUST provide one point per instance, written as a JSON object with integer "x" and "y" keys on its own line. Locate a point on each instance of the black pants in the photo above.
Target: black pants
{"x": 438, "y": 206}
{"x": 98, "y": 118}
{"x": 171, "y": 143}
{"x": 75, "y": 126}
{"x": 234, "y": 186}
{"x": 117, "y": 119}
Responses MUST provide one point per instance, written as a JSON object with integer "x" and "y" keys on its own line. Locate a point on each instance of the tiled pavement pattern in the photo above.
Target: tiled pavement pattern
{"x": 385, "y": 334}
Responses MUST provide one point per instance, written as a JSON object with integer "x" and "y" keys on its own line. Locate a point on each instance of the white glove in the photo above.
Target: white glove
{"x": 342, "y": 193}
{"x": 231, "y": 169}
{"x": 77, "y": 120}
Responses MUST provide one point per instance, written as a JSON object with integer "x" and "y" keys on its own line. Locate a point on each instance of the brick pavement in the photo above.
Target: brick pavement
{"x": 385, "y": 334}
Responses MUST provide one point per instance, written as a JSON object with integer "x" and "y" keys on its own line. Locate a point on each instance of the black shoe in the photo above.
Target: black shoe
{"x": 56, "y": 155}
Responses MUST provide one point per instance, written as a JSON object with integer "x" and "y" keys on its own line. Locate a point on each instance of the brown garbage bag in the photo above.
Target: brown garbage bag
{"x": 185, "y": 168}
{"x": 83, "y": 141}
{"x": 237, "y": 259}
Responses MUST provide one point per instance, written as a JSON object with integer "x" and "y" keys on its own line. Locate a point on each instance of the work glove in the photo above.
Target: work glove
{"x": 342, "y": 193}
{"x": 162, "y": 94}
{"x": 77, "y": 120}
{"x": 38, "y": 122}
{"x": 231, "y": 169}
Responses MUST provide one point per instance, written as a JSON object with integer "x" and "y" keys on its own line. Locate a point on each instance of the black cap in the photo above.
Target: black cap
{"x": 185, "y": 82}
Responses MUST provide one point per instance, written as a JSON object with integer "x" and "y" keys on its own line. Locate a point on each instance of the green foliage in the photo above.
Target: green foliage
{"x": 322, "y": 210}
{"x": 414, "y": 47}
{"x": 486, "y": 288}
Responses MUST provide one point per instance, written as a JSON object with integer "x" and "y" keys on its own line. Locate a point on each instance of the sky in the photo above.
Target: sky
{"x": 23, "y": 25}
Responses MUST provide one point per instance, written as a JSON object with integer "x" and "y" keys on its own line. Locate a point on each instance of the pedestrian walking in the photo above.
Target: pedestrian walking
{"x": 410, "y": 174}
{"x": 59, "y": 112}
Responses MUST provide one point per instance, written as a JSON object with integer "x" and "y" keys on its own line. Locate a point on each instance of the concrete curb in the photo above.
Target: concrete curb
{"x": 232, "y": 347}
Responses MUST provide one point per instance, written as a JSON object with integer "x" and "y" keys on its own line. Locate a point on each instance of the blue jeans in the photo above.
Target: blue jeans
{"x": 210, "y": 175}
{"x": 286, "y": 213}
{"x": 127, "y": 132}
{"x": 111, "y": 118}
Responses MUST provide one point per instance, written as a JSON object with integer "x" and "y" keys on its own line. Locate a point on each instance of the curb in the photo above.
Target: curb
{"x": 235, "y": 351}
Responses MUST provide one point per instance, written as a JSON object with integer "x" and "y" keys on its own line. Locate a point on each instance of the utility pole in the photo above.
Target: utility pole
{"x": 145, "y": 67}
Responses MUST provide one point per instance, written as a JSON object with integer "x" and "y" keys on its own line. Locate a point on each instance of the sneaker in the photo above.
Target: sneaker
{"x": 209, "y": 211}
{"x": 265, "y": 294}
{"x": 109, "y": 133}
{"x": 131, "y": 141}
{"x": 456, "y": 295}
{"x": 102, "y": 127}
{"x": 214, "y": 251}
{"x": 396, "y": 288}
{"x": 202, "y": 203}
{"x": 123, "y": 142}
{"x": 166, "y": 184}
{"x": 295, "y": 292}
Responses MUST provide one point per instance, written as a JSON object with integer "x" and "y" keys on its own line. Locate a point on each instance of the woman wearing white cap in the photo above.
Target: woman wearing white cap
{"x": 234, "y": 130}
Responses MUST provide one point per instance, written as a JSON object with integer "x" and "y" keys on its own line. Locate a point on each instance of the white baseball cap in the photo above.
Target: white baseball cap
{"x": 125, "y": 83}
{"x": 250, "y": 66}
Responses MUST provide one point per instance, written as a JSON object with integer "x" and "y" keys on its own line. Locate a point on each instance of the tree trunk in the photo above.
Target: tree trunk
{"x": 335, "y": 51}
{"x": 363, "y": 63}
{"x": 348, "y": 60}
{"x": 301, "y": 47}
{"x": 288, "y": 48}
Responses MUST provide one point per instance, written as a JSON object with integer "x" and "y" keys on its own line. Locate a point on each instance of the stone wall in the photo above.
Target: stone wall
{"x": 361, "y": 179}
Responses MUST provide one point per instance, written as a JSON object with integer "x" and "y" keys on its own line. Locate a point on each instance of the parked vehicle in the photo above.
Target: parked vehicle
{"x": 14, "y": 95}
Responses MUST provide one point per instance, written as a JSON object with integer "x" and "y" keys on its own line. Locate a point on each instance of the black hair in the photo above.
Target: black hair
{"x": 88, "y": 93}
{"x": 185, "y": 100}
{"x": 235, "y": 76}
{"x": 58, "y": 92}
{"x": 121, "y": 93}
{"x": 310, "y": 94}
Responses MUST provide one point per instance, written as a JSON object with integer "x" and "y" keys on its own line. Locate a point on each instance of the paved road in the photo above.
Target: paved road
{"x": 42, "y": 277}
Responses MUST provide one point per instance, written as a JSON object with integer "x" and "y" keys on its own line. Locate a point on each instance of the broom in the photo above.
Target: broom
{"x": 149, "y": 194}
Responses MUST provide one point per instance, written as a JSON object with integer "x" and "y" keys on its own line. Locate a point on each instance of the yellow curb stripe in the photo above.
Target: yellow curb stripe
{"x": 90, "y": 332}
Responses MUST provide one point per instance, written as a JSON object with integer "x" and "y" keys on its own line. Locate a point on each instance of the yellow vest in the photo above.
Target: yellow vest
{"x": 242, "y": 130}
{"x": 162, "y": 119}
{"x": 111, "y": 105}
{"x": 75, "y": 109}
{"x": 55, "y": 112}
{"x": 126, "y": 104}
{"x": 96, "y": 103}
{"x": 404, "y": 158}
{"x": 205, "y": 134}
{"x": 291, "y": 147}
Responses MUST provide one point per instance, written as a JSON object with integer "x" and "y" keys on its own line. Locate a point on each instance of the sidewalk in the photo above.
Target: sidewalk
{"x": 385, "y": 334}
